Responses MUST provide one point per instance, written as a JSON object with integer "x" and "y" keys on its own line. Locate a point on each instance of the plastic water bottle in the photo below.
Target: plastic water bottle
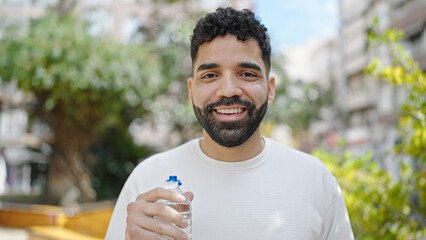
{"x": 183, "y": 208}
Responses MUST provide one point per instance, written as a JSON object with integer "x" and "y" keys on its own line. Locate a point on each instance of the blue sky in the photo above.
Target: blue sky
{"x": 294, "y": 22}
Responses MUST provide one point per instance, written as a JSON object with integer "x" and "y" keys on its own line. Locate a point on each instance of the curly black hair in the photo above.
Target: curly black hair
{"x": 243, "y": 24}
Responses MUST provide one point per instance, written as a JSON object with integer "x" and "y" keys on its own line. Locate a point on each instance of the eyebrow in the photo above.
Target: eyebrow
{"x": 250, "y": 65}
{"x": 206, "y": 66}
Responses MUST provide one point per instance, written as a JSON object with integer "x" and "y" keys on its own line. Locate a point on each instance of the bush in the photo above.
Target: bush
{"x": 379, "y": 206}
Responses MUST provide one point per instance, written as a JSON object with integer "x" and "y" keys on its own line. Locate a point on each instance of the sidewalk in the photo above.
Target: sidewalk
{"x": 13, "y": 233}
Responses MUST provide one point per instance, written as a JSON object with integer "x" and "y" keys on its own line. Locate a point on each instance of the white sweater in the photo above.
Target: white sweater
{"x": 280, "y": 194}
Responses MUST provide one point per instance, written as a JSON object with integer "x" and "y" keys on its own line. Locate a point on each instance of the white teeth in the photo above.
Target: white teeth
{"x": 230, "y": 111}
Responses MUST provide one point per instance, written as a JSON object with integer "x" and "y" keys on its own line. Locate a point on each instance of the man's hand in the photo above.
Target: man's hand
{"x": 141, "y": 223}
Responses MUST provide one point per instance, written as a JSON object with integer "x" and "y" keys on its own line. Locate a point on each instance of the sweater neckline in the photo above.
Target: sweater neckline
{"x": 241, "y": 165}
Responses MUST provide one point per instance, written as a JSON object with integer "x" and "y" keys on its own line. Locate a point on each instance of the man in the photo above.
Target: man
{"x": 246, "y": 186}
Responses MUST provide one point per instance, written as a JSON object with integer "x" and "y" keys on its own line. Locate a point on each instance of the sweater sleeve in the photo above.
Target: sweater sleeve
{"x": 117, "y": 224}
{"x": 337, "y": 225}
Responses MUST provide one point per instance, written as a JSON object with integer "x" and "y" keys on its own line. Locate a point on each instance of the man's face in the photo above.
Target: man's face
{"x": 229, "y": 89}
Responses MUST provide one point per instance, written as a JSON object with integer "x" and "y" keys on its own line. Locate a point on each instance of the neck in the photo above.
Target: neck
{"x": 250, "y": 149}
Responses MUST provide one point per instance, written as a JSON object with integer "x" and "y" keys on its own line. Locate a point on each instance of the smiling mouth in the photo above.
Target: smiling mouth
{"x": 230, "y": 110}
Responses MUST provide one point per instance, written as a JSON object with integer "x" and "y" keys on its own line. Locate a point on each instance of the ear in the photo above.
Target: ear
{"x": 190, "y": 90}
{"x": 271, "y": 89}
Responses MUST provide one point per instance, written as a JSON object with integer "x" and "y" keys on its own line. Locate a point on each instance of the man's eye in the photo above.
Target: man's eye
{"x": 248, "y": 74}
{"x": 209, "y": 75}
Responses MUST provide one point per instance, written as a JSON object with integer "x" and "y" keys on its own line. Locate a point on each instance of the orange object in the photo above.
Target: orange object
{"x": 53, "y": 222}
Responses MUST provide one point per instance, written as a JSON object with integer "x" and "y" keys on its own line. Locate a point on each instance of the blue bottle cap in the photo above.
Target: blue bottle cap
{"x": 172, "y": 179}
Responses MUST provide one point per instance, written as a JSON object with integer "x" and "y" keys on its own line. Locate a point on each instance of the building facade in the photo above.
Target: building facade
{"x": 372, "y": 106}
{"x": 366, "y": 110}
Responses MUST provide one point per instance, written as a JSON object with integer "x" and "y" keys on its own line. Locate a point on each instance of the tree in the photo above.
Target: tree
{"x": 297, "y": 104}
{"x": 379, "y": 207}
{"x": 404, "y": 71}
{"x": 80, "y": 86}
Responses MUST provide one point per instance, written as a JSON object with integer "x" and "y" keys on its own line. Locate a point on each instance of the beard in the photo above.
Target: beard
{"x": 230, "y": 133}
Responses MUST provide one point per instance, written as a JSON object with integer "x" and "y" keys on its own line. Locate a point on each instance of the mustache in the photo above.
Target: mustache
{"x": 227, "y": 101}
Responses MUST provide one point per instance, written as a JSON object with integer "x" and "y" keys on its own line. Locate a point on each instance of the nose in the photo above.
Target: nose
{"x": 229, "y": 87}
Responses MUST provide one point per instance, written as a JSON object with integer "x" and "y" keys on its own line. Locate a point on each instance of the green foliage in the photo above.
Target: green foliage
{"x": 379, "y": 206}
{"x": 171, "y": 104}
{"x": 403, "y": 71}
{"x": 116, "y": 158}
{"x": 87, "y": 79}
{"x": 81, "y": 85}
{"x": 296, "y": 103}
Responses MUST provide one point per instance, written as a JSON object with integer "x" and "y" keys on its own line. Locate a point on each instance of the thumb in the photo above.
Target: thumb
{"x": 190, "y": 195}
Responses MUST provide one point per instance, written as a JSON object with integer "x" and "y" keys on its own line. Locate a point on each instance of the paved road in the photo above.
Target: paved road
{"x": 13, "y": 234}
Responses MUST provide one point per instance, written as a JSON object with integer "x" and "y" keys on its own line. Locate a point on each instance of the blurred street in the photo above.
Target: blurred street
{"x": 13, "y": 234}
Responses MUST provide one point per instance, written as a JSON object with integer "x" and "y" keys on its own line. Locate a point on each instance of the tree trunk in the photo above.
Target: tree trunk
{"x": 69, "y": 180}
{"x": 66, "y": 6}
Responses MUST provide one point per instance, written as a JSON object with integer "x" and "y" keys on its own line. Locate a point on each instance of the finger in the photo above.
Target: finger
{"x": 190, "y": 195}
{"x": 163, "y": 227}
{"x": 135, "y": 229}
{"x": 166, "y": 212}
{"x": 141, "y": 208}
{"x": 161, "y": 193}
{"x": 141, "y": 226}
{"x": 135, "y": 232}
